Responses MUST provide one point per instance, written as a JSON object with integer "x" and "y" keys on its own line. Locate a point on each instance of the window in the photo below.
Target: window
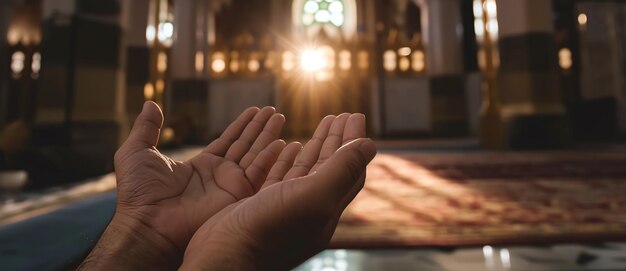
{"x": 389, "y": 61}
{"x": 418, "y": 61}
{"x": 345, "y": 60}
{"x": 323, "y": 12}
{"x": 17, "y": 64}
{"x": 336, "y": 18}
{"x": 35, "y": 66}
{"x": 218, "y": 64}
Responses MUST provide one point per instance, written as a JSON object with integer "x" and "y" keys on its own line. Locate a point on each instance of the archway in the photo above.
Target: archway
{"x": 322, "y": 79}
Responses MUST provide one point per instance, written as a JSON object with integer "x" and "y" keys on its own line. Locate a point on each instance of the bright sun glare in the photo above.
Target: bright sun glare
{"x": 312, "y": 60}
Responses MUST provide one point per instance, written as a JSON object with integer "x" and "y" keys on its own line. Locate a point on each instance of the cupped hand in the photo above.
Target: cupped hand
{"x": 164, "y": 201}
{"x": 295, "y": 214}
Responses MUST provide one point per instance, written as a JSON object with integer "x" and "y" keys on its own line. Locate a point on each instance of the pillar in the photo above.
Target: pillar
{"x": 5, "y": 16}
{"x": 190, "y": 63}
{"x": 443, "y": 42}
{"x": 83, "y": 71}
{"x": 137, "y": 54}
{"x": 532, "y": 110}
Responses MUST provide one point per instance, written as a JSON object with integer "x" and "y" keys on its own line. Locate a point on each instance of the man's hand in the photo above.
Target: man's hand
{"x": 162, "y": 202}
{"x": 295, "y": 214}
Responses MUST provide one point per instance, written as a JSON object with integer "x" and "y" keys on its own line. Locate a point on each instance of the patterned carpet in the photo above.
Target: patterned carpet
{"x": 478, "y": 198}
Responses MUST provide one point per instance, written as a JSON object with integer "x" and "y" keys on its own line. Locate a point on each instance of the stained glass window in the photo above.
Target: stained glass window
{"x": 323, "y": 12}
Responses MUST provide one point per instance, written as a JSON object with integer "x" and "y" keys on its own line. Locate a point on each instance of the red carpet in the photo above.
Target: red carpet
{"x": 457, "y": 199}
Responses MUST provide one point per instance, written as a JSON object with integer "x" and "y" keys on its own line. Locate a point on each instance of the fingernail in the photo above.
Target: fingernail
{"x": 360, "y": 118}
{"x": 359, "y": 115}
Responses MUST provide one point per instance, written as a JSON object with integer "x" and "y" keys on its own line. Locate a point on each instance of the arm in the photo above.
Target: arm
{"x": 130, "y": 245}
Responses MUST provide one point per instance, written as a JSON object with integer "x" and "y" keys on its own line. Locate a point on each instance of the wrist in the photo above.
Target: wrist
{"x": 128, "y": 244}
{"x": 216, "y": 255}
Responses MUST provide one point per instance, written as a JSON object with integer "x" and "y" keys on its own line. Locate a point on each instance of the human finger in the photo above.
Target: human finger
{"x": 308, "y": 156}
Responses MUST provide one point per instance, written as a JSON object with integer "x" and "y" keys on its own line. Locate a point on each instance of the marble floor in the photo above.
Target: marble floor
{"x": 562, "y": 257}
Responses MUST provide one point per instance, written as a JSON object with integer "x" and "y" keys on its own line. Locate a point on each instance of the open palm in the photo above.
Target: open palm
{"x": 174, "y": 198}
{"x": 295, "y": 214}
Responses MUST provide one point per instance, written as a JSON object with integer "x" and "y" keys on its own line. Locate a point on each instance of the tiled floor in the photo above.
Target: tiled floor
{"x": 565, "y": 257}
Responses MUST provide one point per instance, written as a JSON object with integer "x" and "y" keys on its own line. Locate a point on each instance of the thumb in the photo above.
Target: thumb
{"x": 344, "y": 169}
{"x": 146, "y": 130}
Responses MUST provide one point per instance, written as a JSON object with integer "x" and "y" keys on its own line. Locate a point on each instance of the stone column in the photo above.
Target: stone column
{"x": 189, "y": 63}
{"x": 137, "y": 64}
{"x": 532, "y": 113}
{"x": 82, "y": 70}
{"x": 5, "y": 15}
{"x": 57, "y": 50}
{"x": 443, "y": 42}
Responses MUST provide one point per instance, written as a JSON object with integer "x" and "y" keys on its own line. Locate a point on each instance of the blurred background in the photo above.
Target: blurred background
{"x": 488, "y": 107}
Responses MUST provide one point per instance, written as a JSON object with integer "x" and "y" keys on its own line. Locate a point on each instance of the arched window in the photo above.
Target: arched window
{"x": 336, "y": 17}
{"x": 323, "y": 12}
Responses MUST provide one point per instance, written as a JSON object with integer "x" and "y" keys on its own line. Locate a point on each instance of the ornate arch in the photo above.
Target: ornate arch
{"x": 338, "y": 18}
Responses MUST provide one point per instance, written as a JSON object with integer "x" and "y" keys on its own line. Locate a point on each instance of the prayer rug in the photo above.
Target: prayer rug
{"x": 487, "y": 198}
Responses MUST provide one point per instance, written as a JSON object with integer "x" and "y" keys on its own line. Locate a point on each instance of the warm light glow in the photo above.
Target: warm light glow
{"x": 254, "y": 65}
{"x": 35, "y": 66}
{"x": 13, "y": 36}
{"x": 324, "y": 75}
{"x": 479, "y": 28}
{"x": 404, "y": 51}
{"x": 565, "y": 58}
{"x": 492, "y": 27}
{"x": 312, "y": 60}
{"x": 234, "y": 62}
{"x": 168, "y": 134}
{"x": 495, "y": 55}
{"x": 199, "y": 62}
{"x": 166, "y": 32}
{"x": 582, "y": 19}
{"x": 234, "y": 66}
{"x": 482, "y": 59}
{"x": 405, "y": 64}
{"x": 478, "y": 9}
{"x": 489, "y": 26}
{"x": 161, "y": 62}
{"x": 150, "y": 34}
{"x": 17, "y": 63}
{"x": 160, "y": 86}
{"x": 418, "y": 61}
{"x": 218, "y": 64}
{"x": 364, "y": 60}
{"x": 22, "y": 34}
{"x": 345, "y": 60}
{"x": 491, "y": 8}
{"x": 148, "y": 91}
{"x": 289, "y": 61}
{"x": 329, "y": 55}
{"x": 269, "y": 60}
{"x": 389, "y": 60}
{"x": 320, "y": 62}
